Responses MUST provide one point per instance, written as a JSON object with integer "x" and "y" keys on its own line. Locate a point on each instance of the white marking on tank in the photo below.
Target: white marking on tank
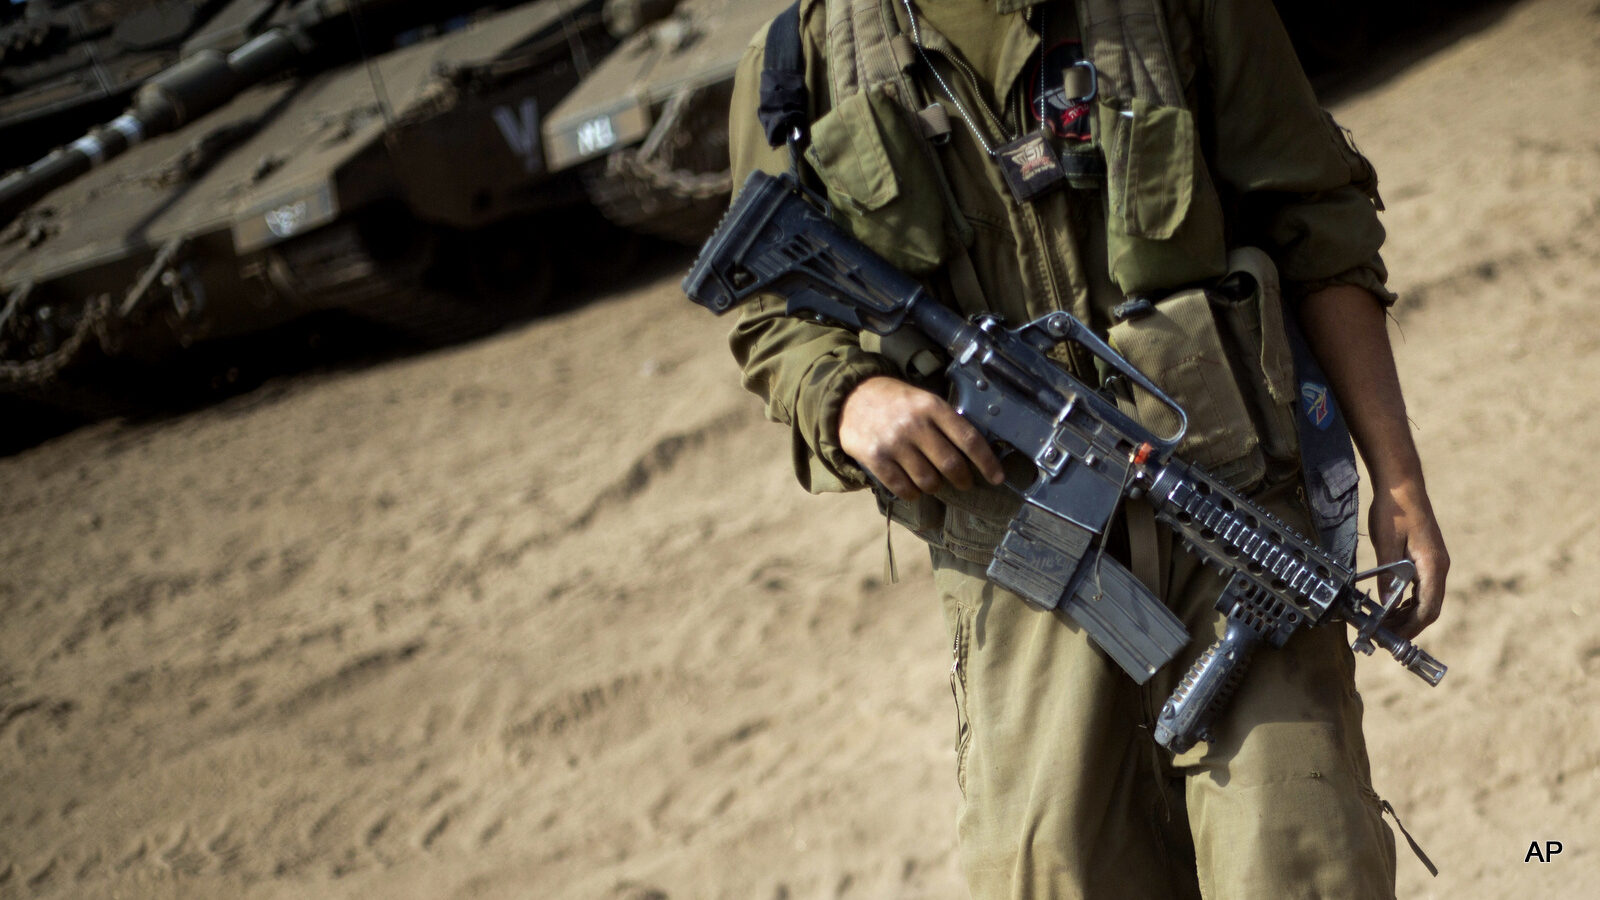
{"x": 595, "y": 135}
{"x": 89, "y": 145}
{"x": 521, "y": 131}
{"x": 287, "y": 219}
{"x": 130, "y": 127}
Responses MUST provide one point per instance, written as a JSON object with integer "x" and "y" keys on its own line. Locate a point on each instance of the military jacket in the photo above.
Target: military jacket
{"x": 1271, "y": 170}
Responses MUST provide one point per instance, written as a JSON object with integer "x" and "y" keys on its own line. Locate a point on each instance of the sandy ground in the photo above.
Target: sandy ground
{"x": 545, "y": 616}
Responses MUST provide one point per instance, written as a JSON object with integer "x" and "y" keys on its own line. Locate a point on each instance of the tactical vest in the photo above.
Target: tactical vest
{"x": 874, "y": 153}
{"x": 1163, "y": 215}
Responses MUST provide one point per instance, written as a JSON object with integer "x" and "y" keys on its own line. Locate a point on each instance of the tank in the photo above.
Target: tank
{"x": 647, "y": 129}
{"x": 384, "y": 158}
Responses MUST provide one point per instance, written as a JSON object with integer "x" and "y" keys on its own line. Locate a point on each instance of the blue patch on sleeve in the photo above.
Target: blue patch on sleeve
{"x": 1314, "y": 402}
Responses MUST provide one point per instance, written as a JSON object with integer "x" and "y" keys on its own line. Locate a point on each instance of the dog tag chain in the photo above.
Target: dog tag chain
{"x": 1028, "y": 163}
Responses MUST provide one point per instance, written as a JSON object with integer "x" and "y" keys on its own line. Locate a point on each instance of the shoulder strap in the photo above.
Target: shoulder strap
{"x": 866, "y": 33}
{"x": 866, "y": 47}
{"x": 785, "y": 102}
{"x": 1327, "y": 457}
{"x": 1129, "y": 44}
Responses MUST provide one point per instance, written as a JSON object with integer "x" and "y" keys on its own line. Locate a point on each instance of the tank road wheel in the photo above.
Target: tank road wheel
{"x": 54, "y": 359}
{"x": 675, "y": 185}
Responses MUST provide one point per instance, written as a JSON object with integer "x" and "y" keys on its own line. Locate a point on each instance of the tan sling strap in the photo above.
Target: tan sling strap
{"x": 866, "y": 33}
{"x": 1129, "y": 43}
{"x": 1147, "y": 559}
{"x": 883, "y": 55}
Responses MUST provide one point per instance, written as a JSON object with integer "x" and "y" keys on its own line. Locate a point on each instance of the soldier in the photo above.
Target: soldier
{"x": 1021, "y": 157}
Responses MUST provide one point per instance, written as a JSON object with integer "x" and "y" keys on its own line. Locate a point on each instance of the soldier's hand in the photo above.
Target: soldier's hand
{"x": 1403, "y": 527}
{"x": 912, "y": 440}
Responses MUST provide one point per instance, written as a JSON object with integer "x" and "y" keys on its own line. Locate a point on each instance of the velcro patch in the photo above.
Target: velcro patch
{"x": 1314, "y": 402}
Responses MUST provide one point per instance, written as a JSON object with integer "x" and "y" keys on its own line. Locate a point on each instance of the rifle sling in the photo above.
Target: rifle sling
{"x": 1145, "y": 559}
{"x": 785, "y": 103}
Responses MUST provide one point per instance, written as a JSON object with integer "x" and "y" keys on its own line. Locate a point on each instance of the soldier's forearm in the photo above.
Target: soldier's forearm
{"x": 1346, "y": 328}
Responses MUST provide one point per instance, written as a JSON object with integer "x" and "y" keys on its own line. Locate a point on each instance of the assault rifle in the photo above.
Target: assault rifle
{"x": 1088, "y": 455}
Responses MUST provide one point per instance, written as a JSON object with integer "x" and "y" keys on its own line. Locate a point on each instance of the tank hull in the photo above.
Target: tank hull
{"x": 355, "y": 187}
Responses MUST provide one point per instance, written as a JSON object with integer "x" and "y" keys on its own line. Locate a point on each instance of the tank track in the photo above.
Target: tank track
{"x": 338, "y": 268}
{"x": 675, "y": 184}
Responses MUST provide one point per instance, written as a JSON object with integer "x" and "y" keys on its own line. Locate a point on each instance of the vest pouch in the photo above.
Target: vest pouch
{"x": 976, "y": 520}
{"x": 1180, "y": 347}
{"x": 1249, "y": 307}
{"x": 897, "y": 208}
{"x": 1163, "y": 217}
{"x": 967, "y": 524}
{"x": 1150, "y": 161}
{"x": 923, "y": 517}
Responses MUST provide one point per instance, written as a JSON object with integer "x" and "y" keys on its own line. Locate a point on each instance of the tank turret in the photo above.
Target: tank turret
{"x": 381, "y": 158}
{"x": 179, "y": 95}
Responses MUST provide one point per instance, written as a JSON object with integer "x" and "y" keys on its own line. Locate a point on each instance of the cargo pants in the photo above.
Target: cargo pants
{"x": 1066, "y": 794}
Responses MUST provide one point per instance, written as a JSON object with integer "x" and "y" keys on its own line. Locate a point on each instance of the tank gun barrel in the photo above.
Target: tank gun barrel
{"x": 189, "y": 89}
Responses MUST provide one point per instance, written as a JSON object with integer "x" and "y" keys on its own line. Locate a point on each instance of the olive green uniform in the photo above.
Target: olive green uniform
{"x": 1065, "y": 793}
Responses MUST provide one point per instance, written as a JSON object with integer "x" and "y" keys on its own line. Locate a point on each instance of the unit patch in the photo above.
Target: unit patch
{"x": 1030, "y": 167}
{"x": 1314, "y": 401}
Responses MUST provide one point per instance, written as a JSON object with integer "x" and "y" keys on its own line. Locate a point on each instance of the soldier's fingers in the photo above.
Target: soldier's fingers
{"x": 950, "y": 466}
{"x": 966, "y": 438}
{"x": 948, "y": 462}
{"x": 1432, "y": 569}
{"x": 1403, "y": 622}
{"x": 892, "y": 476}
{"x": 1387, "y": 548}
{"x": 922, "y": 472}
